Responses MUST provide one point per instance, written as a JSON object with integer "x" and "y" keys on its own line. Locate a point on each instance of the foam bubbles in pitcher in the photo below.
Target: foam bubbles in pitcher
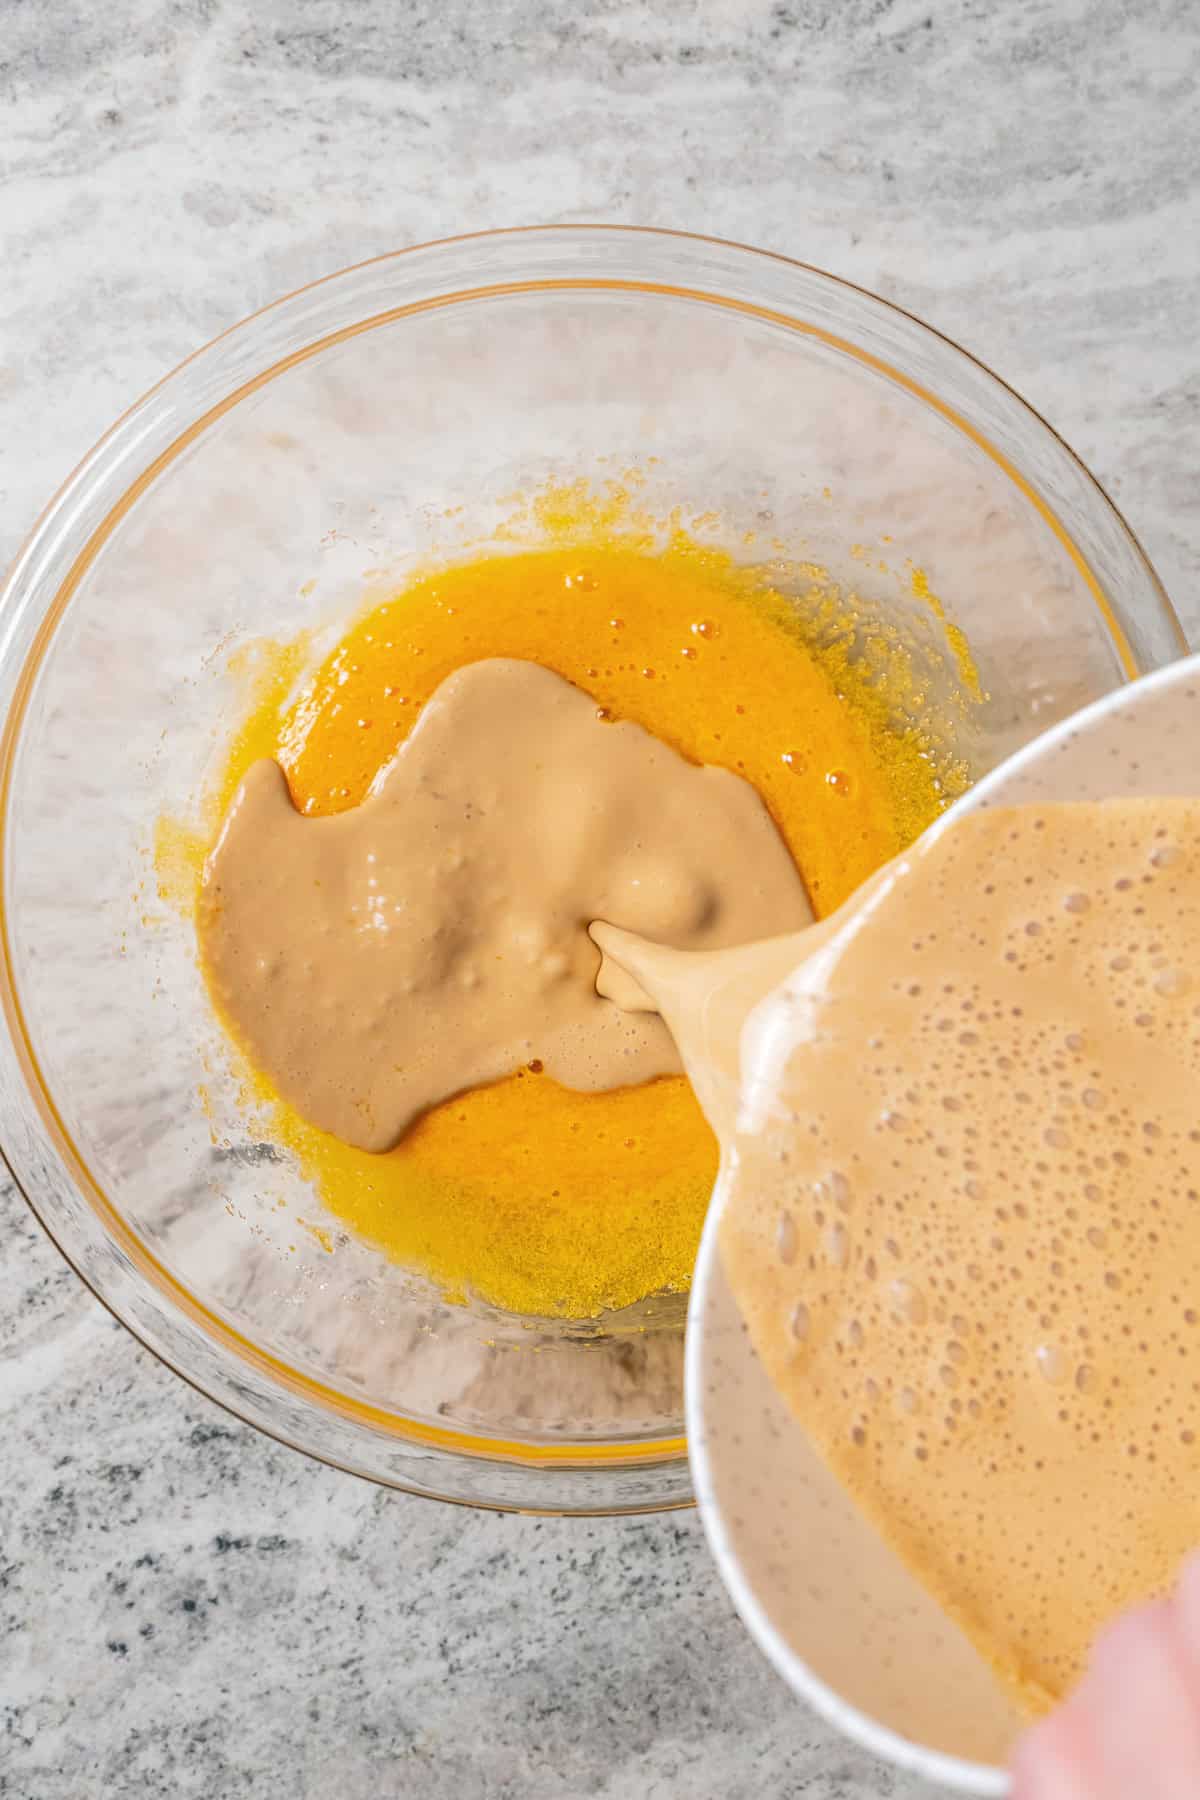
{"x": 1000, "y": 1351}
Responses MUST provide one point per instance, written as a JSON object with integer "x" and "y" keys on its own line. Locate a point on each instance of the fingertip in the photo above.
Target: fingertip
{"x": 1049, "y": 1762}
{"x": 1129, "y": 1642}
{"x": 1028, "y": 1762}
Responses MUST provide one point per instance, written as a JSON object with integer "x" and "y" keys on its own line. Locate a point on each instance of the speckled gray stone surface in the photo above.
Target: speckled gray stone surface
{"x": 186, "y": 1609}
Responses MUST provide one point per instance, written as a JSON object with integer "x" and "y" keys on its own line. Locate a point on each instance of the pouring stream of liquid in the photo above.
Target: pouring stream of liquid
{"x": 705, "y": 998}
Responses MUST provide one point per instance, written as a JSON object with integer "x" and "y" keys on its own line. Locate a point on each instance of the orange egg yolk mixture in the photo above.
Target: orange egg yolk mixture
{"x": 531, "y": 1197}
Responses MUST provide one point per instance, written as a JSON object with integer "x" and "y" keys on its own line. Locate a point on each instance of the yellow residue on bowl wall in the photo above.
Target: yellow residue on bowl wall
{"x": 537, "y": 1199}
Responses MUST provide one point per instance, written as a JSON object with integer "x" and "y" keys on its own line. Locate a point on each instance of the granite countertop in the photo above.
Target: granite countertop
{"x": 185, "y": 1608}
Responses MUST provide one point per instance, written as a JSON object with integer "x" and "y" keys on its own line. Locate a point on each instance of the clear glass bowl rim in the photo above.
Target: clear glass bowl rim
{"x": 53, "y": 561}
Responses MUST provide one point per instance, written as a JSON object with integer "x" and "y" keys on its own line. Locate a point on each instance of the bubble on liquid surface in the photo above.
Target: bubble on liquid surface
{"x": 1172, "y": 983}
{"x": 837, "y": 1244}
{"x": 908, "y": 1302}
{"x": 839, "y": 1187}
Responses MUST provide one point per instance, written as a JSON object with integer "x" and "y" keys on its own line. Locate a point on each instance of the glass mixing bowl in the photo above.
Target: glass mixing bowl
{"x": 248, "y": 495}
